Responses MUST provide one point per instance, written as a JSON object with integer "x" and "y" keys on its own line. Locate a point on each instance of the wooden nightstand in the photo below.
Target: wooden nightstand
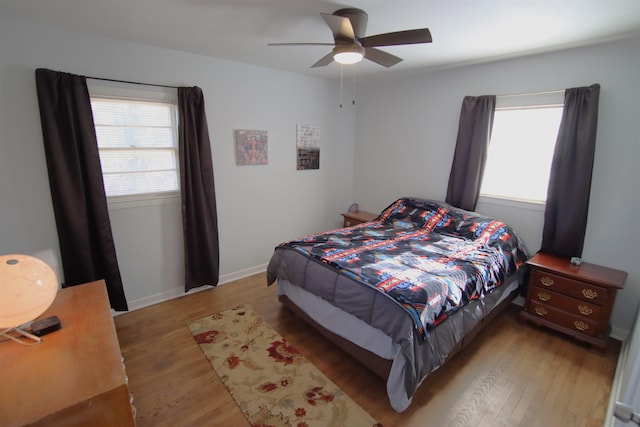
{"x": 575, "y": 300}
{"x": 357, "y": 217}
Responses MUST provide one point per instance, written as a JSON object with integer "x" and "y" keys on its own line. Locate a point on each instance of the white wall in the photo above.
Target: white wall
{"x": 406, "y": 132}
{"x": 258, "y": 206}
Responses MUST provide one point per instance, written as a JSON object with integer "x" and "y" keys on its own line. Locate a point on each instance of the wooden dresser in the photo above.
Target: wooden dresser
{"x": 575, "y": 300}
{"x": 76, "y": 376}
{"x": 357, "y": 217}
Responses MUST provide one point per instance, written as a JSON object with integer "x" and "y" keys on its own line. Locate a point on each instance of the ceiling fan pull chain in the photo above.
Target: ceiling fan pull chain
{"x": 341, "y": 73}
{"x": 354, "y": 85}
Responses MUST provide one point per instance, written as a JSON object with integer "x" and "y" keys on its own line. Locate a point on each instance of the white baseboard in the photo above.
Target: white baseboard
{"x": 226, "y": 278}
{"x": 619, "y": 334}
{"x": 519, "y": 301}
{"x": 179, "y": 291}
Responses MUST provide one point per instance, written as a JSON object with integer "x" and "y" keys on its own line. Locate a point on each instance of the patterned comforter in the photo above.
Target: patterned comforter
{"x": 429, "y": 257}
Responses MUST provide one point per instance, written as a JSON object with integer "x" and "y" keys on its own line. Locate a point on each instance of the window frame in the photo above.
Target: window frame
{"x": 132, "y": 92}
{"x": 547, "y": 99}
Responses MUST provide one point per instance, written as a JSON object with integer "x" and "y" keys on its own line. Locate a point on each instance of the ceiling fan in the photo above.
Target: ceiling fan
{"x": 350, "y": 44}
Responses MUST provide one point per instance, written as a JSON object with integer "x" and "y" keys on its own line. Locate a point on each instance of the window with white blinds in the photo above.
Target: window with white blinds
{"x": 137, "y": 141}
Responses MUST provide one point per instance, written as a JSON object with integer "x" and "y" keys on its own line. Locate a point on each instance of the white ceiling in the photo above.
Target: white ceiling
{"x": 464, "y": 31}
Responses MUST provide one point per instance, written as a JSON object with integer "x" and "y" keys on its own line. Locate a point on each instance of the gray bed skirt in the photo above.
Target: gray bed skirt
{"x": 379, "y": 325}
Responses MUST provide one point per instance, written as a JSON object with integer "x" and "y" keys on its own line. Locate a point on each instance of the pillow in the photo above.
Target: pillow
{"x": 423, "y": 213}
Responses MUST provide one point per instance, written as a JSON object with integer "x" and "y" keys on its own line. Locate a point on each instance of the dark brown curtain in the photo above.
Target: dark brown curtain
{"x": 75, "y": 179}
{"x": 470, "y": 157}
{"x": 565, "y": 215}
{"x": 199, "y": 216}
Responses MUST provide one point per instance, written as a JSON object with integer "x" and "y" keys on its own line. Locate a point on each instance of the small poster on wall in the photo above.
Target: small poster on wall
{"x": 308, "y": 147}
{"x": 251, "y": 147}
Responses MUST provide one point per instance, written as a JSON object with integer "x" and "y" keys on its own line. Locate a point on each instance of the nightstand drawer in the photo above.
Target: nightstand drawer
{"x": 574, "y": 288}
{"x": 562, "y": 318}
{"x": 569, "y": 304}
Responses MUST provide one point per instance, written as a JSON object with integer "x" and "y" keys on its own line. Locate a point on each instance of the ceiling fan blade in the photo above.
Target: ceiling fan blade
{"x": 381, "y": 57}
{"x": 300, "y": 44}
{"x": 358, "y": 19}
{"x": 421, "y": 35}
{"x": 325, "y": 60}
{"x": 340, "y": 27}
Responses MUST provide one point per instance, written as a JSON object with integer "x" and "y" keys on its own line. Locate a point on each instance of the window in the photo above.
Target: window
{"x": 137, "y": 142}
{"x": 521, "y": 149}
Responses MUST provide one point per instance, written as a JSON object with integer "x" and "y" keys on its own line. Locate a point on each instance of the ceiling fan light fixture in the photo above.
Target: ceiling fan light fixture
{"x": 348, "y": 54}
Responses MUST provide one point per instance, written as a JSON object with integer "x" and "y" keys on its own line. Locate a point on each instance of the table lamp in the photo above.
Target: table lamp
{"x": 28, "y": 286}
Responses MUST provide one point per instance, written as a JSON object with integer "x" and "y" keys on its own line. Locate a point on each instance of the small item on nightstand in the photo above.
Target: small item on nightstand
{"x": 45, "y": 326}
{"x": 576, "y": 261}
{"x": 353, "y": 207}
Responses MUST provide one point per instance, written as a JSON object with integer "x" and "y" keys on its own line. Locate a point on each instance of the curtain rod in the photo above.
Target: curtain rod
{"x": 544, "y": 92}
{"x": 131, "y": 82}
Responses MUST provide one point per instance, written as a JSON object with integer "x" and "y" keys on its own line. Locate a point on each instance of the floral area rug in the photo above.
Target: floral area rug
{"x": 272, "y": 383}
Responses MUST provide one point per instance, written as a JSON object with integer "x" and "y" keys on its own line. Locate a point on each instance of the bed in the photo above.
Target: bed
{"x": 405, "y": 292}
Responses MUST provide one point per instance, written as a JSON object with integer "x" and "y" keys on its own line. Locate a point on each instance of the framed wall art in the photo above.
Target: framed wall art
{"x": 251, "y": 147}
{"x": 308, "y": 147}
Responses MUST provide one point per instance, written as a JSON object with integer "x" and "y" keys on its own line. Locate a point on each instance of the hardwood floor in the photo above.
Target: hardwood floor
{"x": 512, "y": 375}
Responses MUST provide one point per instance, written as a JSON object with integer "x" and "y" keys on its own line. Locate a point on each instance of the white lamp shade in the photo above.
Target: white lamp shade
{"x": 28, "y": 286}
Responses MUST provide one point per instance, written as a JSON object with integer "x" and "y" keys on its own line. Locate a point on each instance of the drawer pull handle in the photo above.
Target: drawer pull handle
{"x": 589, "y": 293}
{"x": 546, "y": 281}
{"x": 580, "y": 325}
{"x": 543, "y": 296}
{"x": 586, "y": 310}
{"x": 541, "y": 311}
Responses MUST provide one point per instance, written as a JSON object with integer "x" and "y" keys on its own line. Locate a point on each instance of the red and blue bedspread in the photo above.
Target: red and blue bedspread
{"x": 428, "y": 256}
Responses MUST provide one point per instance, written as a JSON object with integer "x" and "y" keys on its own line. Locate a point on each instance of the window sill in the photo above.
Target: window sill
{"x": 129, "y": 202}
{"x": 512, "y": 203}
